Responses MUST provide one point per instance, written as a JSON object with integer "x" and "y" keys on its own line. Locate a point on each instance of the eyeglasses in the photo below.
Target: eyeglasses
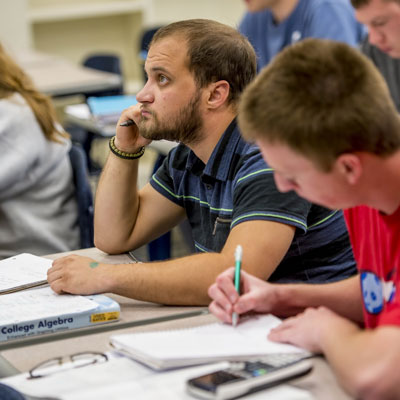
{"x": 58, "y": 364}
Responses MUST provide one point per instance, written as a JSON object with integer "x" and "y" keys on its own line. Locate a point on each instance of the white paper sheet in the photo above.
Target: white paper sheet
{"x": 23, "y": 269}
{"x": 164, "y": 349}
{"x": 122, "y": 378}
{"x": 40, "y": 303}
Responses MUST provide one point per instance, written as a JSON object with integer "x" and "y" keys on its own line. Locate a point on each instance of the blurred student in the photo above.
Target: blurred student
{"x": 38, "y": 210}
{"x": 323, "y": 118}
{"x": 197, "y": 70}
{"x": 271, "y": 25}
{"x": 382, "y": 18}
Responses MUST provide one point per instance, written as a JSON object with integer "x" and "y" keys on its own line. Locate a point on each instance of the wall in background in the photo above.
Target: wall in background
{"x": 75, "y": 28}
{"x": 227, "y": 11}
{"x": 14, "y": 26}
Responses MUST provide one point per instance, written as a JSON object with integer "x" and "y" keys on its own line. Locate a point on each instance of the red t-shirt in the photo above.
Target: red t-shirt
{"x": 375, "y": 238}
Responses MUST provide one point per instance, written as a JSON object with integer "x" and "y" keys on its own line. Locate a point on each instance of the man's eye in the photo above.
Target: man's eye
{"x": 162, "y": 79}
{"x": 379, "y": 23}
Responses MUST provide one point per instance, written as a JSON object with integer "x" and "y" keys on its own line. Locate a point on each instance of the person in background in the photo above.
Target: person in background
{"x": 382, "y": 46}
{"x": 38, "y": 209}
{"x": 324, "y": 119}
{"x": 197, "y": 69}
{"x": 271, "y": 25}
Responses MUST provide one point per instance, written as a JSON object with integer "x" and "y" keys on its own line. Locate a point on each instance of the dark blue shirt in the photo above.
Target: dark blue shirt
{"x": 235, "y": 186}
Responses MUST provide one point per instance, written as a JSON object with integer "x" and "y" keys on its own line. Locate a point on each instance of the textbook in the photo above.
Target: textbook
{"x": 205, "y": 344}
{"x": 106, "y": 110}
{"x": 37, "y": 311}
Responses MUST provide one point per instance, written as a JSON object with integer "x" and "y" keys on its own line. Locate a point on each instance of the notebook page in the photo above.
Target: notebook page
{"x": 172, "y": 386}
{"x": 40, "y": 303}
{"x": 22, "y": 269}
{"x": 206, "y": 342}
{"x": 122, "y": 378}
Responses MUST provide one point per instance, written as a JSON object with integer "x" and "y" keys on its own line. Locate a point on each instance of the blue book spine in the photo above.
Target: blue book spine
{"x": 107, "y": 310}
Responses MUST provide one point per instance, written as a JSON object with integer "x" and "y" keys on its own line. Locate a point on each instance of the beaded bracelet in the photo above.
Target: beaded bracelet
{"x": 123, "y": 154}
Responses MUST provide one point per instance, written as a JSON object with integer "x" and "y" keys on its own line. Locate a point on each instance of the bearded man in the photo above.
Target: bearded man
{"x": 196, "y": 71}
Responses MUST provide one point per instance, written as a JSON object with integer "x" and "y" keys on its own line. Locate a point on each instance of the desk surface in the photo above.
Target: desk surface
{"x": 58, "y": 77}
{"x": 321, "y": 382}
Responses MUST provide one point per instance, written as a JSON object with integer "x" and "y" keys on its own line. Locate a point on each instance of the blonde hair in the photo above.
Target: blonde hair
{"x": 14, "y": 80}
{"x": 321, "y": 98}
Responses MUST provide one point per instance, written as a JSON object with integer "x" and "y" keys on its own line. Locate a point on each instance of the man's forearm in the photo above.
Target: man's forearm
{"x": 116, "y": 205}
{"x": 365, "y": 361}
{"x": 182, "y": 281}
{"x": 343, "y": 297}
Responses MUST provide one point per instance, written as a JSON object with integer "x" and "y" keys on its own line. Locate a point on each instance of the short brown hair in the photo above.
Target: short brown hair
{"x": 362, "y": 3}
{"x": 215, "y": 52}
{"x": 322, "y": 99}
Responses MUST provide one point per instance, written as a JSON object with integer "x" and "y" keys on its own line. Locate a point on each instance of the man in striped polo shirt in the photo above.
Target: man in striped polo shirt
{"x": 196, "y": 71}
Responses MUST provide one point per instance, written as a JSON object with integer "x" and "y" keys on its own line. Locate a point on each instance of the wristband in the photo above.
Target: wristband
{"x": 123, "y": 154}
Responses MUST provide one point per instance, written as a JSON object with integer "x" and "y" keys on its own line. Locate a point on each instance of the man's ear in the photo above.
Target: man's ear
{"x": 350, "y": 166}
{"x": 218, "y": 93}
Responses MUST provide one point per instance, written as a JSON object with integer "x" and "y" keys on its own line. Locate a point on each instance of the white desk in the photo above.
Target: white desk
{"x": 58, "y": 77}
{"x": 321, "y": 382}
{"x": 141, "y": 316}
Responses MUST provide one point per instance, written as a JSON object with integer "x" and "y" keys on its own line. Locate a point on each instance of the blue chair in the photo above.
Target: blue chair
{"x": 145, "y": 39}
{"x": 84, "y": 195}
{"x": 108, "y": 63}
{"x": 160, "y": 248}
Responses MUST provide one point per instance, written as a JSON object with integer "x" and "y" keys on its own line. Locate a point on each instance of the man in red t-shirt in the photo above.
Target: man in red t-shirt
{"x": 324, "y": 120}
{"x": 375, "y": 238}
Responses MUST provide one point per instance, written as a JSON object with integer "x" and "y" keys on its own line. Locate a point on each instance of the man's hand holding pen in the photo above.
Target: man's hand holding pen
{"x": 128, "y": 138}
{"x": 256, "y": 296}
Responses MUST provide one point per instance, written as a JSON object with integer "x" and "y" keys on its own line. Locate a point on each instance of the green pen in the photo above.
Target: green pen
{"x": 238, "y": 265}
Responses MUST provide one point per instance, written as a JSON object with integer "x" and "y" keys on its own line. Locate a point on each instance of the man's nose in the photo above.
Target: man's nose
{"x": 145, "y": 94}
{"x": 282, "y": 184}
{"x": 375, "y": 37}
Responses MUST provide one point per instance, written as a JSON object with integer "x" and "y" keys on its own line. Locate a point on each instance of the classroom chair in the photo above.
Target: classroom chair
{"x": 158, "y": 249}
{"x": 144, "y": 41}
{"x": 106, "y": 62}
{"x": 84, "y": 195}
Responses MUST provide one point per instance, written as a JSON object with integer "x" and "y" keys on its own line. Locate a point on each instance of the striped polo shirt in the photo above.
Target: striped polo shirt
{"x": 235, "y": 186}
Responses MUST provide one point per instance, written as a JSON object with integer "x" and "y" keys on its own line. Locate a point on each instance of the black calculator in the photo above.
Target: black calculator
{"x": 242, "y": 378}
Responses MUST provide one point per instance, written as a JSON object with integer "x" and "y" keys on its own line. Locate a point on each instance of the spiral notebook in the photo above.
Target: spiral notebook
{"x": 209, "y": 343}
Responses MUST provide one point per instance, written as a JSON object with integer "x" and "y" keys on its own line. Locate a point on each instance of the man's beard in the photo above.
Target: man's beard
{"x": 186, "y": 127}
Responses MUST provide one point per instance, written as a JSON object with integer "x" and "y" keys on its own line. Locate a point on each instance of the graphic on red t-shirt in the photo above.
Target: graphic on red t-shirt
{"x": 375, "y": 238}
{"x": 376, "y": 293}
